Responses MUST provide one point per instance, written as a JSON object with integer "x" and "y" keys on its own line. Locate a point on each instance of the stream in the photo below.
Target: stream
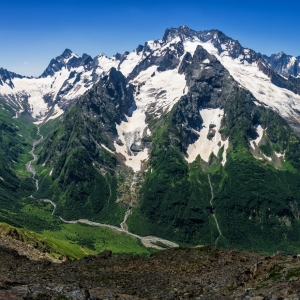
{"x": 213, "y": 210}
{"x": 146, "y": 240}
{"x": 29, "y": 167}
{"x": 123, "y": 225}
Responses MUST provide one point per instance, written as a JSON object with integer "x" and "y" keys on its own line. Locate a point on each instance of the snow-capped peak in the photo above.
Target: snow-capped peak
{"x": 156, "y": 71}
{"x": 183, "y": 32}
{"x": 284, "y": 64}
{"x": 67, "y": 53}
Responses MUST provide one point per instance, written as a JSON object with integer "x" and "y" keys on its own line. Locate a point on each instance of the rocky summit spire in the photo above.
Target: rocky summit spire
{"x": 67, "y": 53}
{"x": 184, "y": 32}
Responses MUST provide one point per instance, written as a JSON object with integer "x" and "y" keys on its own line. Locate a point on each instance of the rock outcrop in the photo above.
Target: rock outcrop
{"x": 199, "y": 273}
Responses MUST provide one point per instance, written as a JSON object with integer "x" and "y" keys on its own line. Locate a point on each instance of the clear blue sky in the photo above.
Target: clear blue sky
{"x": 33, "y": 32}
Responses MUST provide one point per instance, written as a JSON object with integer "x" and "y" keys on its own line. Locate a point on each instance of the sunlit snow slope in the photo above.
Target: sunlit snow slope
{"x": 155, "y": 71}
{"x": 205, "y": 146}
{"x": 249, "y": 75}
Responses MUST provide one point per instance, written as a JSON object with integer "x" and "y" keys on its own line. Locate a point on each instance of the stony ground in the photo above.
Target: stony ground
{"x": 196, "y": 273}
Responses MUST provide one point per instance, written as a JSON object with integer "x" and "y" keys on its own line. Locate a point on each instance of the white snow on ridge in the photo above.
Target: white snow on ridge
{"x": 160, "y": 91}
{"x": 250, "y": 77}
{"x": 157, "y": 92}
{"x": 203, "y": 145}
{"x": 190, "y": 46}
{"x": 130, "y": 62}
{"x": 282, "y": 100}
{"x": 107, "y": 63}
{"x": 35, "y": 89}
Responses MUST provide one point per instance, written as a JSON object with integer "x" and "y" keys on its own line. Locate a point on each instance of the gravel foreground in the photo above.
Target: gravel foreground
{"x": 179, "y": 273}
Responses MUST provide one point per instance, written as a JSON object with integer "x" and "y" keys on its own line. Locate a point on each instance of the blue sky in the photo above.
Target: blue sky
{"x": 33, "y": 32}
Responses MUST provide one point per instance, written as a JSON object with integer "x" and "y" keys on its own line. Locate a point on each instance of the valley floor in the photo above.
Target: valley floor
{"x": 148, "y": 241}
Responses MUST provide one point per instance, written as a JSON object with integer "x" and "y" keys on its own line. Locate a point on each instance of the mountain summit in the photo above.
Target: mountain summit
{"x": 191, "y": 138}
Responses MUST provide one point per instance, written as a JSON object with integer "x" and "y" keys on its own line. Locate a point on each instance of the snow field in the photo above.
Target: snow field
{"x": 157, "y": 92}
{"x": 132, "y": 132}
{"x": 203, "y": 145}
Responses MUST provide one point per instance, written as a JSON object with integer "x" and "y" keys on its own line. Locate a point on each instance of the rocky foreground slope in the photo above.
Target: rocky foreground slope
{"x": 195, "y": 273}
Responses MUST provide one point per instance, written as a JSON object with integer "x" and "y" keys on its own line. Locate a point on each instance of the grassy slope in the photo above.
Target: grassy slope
{"x": 82, "y": 182}
{"x": 69, "y": 237}
{"x": 15, "y": 141}
{"x": 257, "y": 205}
{"x": 19, "y": 210}
{"x": 73, "y": 240}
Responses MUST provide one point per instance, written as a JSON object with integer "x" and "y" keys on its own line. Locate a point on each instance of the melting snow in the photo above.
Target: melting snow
{"x": 57, "y": 112}
{"x": 254, "y": 143}
{"x": 203, "y": 145}
{"x": 279, "y": 155}
{"x": 34, "y": 89}
{"x": 132, "y": 132}
{"x": 260, "y": 133}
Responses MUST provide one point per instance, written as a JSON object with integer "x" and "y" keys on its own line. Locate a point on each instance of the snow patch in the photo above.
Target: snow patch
{"x": 57, "y": 112}
{"x": 203, "y": 145}
{"x": 267, "y": 157}
{"x": 279, "y": 155}
{"x": 260, "y": 132}
{"x": 130, "y": 62}
{"x": 161, "y": 91}
{"x": 132, "y": 132}
{"x": 254, "y": 143}
{"x": 107, "y": 63}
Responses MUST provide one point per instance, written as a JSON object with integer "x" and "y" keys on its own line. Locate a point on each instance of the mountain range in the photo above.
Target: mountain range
{"x": 192, "y": 137}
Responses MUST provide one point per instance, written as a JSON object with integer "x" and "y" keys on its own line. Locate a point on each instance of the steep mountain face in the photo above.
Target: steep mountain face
{"x": 202, "y": 128}
{"x": 284, "y": 64}
{"x": 66, "y": 78}
{"x": 15, "y": 183}
{"x": 6, "y": 77}
{"x": 218, "y": 123}
{"x": 84, "y": 169}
